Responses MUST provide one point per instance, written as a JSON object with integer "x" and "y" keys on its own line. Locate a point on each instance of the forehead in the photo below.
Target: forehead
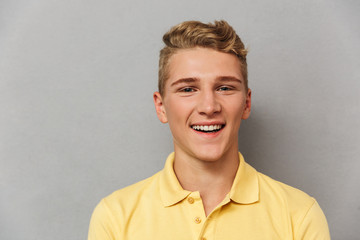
{"x": 203, "y": 63}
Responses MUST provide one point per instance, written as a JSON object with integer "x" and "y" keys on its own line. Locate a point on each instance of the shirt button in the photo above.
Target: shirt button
{"x": 190, "y": 200}
{"x": 197, "y": 220}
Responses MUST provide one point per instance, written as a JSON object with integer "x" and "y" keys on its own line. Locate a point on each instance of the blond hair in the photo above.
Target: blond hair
{"x": 219, "y": 36}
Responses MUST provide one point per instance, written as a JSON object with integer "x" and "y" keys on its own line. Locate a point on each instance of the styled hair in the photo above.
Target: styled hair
{"x": 219, "y": 36}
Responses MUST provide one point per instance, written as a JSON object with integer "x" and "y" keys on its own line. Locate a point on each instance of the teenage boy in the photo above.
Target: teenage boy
{"x": 206, "y": 189}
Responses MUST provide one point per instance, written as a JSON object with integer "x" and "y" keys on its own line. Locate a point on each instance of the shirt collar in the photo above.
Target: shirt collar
{"x": 171, "y": 191}
{"x": 245, "y": 189}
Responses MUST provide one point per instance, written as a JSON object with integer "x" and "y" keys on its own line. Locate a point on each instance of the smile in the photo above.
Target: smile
{"x": 207, "y": 128}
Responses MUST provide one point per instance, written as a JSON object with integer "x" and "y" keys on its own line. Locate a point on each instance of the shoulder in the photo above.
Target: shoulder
{"x": 126, "y": 199}
{"x": 112, "y": 213}
{"x": 303, "y": 210}
{"x": 287, "y": 194}
{"x": 132, "y": 194}
{"x": 280, "y": 195}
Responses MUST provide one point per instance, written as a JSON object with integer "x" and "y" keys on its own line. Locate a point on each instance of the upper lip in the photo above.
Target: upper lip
{"x": 208, "y": 123}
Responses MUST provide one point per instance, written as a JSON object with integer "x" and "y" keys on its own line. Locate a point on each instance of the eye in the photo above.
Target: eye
{"x": 224, "y": 88}
{"x": 187, "y": 89}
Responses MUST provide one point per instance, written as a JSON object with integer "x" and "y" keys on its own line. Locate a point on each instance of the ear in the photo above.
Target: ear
{"x": 159, "y": 106}
{"x": 247, "y": 109}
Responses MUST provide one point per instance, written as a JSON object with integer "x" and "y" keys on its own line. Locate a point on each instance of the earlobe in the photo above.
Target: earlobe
{"x": 159, "y": 106}
{"x": 247, "y": 109}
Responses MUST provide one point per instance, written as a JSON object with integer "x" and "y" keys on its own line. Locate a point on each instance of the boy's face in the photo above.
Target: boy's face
{"x": 204, "y": 101}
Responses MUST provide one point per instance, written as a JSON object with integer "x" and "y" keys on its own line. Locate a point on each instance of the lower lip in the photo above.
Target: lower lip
{"x": 210, "y": 134}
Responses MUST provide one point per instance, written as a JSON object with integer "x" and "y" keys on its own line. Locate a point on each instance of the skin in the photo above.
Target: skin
{"x": 205, "y": 87}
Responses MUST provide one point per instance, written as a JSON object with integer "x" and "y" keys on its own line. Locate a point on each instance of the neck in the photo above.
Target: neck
{"x": 213, "y": 179}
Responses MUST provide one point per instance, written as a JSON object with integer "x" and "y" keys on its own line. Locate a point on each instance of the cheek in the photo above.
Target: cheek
{"x": 178, "y": 108}
{"x": 235, "y": 107}
{"x": 175, "y": 112}
{"x": 235, "y": 112}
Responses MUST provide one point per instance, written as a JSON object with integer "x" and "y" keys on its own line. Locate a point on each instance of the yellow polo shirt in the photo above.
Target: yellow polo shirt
{"x": 257, "y": 207}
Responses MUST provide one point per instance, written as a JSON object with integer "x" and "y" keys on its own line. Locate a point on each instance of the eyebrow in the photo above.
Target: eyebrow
{"x": 184, "y": 80}
{"x": 228, "y": 79}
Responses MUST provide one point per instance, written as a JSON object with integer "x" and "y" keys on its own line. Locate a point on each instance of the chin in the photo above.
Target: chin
{"x": 209, "y": 155}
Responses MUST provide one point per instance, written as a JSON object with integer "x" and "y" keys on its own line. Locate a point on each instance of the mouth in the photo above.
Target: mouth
{"x": 208, "y": 128}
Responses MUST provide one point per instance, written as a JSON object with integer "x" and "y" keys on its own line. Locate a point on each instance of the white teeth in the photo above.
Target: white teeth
{"x": 207, "y": 127}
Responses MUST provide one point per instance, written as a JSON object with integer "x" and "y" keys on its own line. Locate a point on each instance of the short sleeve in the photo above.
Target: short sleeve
{"x": 314, "y": 225}
{"x": 100, "y": 225}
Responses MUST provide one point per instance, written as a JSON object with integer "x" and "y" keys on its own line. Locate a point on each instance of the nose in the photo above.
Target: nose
{"x": 208, "y": 103}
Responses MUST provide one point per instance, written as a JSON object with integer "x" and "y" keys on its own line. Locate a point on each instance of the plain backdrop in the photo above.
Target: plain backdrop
{"x": 77, "y": 120}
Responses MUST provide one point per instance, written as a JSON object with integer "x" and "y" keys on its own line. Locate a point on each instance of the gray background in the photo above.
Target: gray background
{"x": 77, "y": 119}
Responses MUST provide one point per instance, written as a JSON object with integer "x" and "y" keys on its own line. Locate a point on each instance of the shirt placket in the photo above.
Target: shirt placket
{"x": 203, "y": 227}
{"x": 196, "y": 213}
{"x": 208, "y": 231}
